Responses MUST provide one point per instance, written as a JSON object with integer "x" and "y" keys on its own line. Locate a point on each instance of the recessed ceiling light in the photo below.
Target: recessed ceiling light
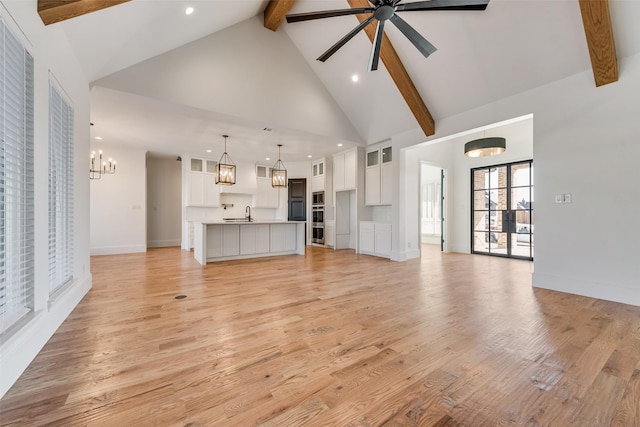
{"x": 339, "y": 145}
{"x": 208, "y": 151}
{"x": 309, "y": 156}
{"x": 188, "y": 10}
{"x": 268, "y": 158}
{"x": 99, "y": 137}
{"x": 355, "y": 78}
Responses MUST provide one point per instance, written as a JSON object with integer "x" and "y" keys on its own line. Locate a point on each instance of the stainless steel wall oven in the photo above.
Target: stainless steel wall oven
{"x": 317, "y": 217}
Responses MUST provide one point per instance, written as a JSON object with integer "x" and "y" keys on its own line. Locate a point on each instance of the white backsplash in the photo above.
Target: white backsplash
{"x": 381, "y": 213}
{"x": 239, "y": 202}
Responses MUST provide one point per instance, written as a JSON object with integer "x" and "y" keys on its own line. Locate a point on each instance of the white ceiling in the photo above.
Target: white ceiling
{"x": 513, "y": 46}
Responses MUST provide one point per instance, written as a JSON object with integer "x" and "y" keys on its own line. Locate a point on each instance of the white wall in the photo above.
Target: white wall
{"x": 586, "y": 144}
{"x": 52, "y": 54}
{"x": 119, "y": 203}
{"x": 269, "y": 83}
{"x": 164, "y": 201}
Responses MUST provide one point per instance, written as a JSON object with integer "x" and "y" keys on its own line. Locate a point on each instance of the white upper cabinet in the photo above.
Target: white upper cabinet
{"x": 266, "y": 196}
{"x": 379, "y": 176}
{"x": 202, "y": 188}
{"x": 345, "y": 170}
{"x": 318, "y": 175}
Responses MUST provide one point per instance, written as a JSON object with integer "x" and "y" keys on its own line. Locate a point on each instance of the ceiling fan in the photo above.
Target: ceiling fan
{"x": 386, "y": 10}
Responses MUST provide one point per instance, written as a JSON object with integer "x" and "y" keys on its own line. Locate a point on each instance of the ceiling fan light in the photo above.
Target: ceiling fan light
{"x": 485, "y": 147}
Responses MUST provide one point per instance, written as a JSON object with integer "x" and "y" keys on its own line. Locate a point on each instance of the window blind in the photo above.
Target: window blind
{"x": 16, "y": 180}
{"x": 60, "y": 190}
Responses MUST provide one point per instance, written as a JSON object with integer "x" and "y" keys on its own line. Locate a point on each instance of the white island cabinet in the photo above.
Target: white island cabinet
{"x": 221, "y": 241}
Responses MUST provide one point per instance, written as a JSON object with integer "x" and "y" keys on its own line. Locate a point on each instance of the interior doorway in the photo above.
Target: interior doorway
{"x": 502, "y": 210}
{"x": 431, "y": 205}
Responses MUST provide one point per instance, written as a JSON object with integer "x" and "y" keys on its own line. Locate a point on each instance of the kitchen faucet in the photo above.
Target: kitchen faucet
{"x": 247, "y": 213}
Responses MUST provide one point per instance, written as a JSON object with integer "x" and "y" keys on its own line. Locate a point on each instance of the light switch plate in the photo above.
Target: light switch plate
{"x": 559, "y": 198}
{"x": 567, "y": 197}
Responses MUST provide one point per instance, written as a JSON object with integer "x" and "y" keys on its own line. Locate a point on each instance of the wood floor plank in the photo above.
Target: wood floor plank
{"x": 628, "y": 411}
{"x": 331, "y": 339}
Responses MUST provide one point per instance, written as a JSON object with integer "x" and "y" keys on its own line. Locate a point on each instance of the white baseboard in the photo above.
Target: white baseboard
{"x": 605, "y": 291}
{"x": 20, "y": 348}
{"x": 115, "y": 250}
{"x": 405, "y": 255}
{"x": 459, "y": 249}
{"x": 163, "y": 243}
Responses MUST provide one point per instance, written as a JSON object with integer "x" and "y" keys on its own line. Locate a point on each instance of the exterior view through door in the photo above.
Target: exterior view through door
{"x": 502, "y": 210}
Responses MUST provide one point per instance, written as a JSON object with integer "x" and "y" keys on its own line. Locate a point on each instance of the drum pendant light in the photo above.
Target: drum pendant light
{"x": 484, "y": 147}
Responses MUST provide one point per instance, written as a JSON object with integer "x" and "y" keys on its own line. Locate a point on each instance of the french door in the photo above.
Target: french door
{"x": 502, "y": 210}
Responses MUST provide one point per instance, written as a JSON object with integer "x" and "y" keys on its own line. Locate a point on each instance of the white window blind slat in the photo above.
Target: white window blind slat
{"x": 60, "y": 190}
{"x": 16, "y": 180}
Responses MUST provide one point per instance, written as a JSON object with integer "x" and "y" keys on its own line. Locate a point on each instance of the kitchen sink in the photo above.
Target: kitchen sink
{"x": 237, "y": 219}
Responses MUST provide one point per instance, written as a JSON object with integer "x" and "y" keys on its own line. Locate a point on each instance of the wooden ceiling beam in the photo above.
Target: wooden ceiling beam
{"x": 52, "y": 11}
{"x": 599, "y": 32}
{"x": 399, "y": 74}
{"x": 275, "y": 13}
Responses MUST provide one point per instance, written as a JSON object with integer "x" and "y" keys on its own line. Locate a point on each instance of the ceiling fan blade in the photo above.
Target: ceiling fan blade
{"x": 444, "y": 5}
{"x": 377, "y": 44}
{"x": 308, "y": 16}
{"x": 333, "y": 49}
{"x": 414, "y": 37}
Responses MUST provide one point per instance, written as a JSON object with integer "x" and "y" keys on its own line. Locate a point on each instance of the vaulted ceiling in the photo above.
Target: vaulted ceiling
{"x": 482, "y": 57}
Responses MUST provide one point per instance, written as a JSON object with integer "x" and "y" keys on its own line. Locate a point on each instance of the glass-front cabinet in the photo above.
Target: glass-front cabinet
{"x": 379, "y": 176}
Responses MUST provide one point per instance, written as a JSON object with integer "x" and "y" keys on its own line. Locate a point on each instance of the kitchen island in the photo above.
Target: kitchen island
{"x": 222, "y": 240}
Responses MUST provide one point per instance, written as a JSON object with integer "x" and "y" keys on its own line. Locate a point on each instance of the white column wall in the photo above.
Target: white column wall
{"x": 53, "y": 58}
{"x": 119, "y": 203}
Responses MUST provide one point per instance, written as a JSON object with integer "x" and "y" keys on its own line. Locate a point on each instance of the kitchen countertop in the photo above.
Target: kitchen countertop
{"x": 255, "y": 221}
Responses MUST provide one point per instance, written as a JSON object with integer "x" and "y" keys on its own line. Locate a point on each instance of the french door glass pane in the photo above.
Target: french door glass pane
{"x": 480, "y": 220}
{"x": 498, "y": 199}
{"x": 480, "y": 179}
{"x": 503, "y": 210}
{"x": 520, "y": 244}
{"x": 521, "y": 198}
{"x": 497, "y": 177}
{"x": 481, "y": 199}
{"x": 520, "y": 175}
{"x": 498, "y": 243}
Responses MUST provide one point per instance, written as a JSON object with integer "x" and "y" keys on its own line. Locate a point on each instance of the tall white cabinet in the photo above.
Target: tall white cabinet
{"x": 379, "y": 176}
{"x": 345, "y": 170}
{"x": 202, "y": 188}
{"x": 348, "y": 183}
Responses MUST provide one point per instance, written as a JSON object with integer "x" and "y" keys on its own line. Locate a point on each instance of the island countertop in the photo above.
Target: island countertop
{"x": 253, "y": 221}
{"x": 219, "y": 240}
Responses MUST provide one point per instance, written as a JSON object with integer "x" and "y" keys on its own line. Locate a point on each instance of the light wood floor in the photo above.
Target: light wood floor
{"x": 331, "y": 339}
